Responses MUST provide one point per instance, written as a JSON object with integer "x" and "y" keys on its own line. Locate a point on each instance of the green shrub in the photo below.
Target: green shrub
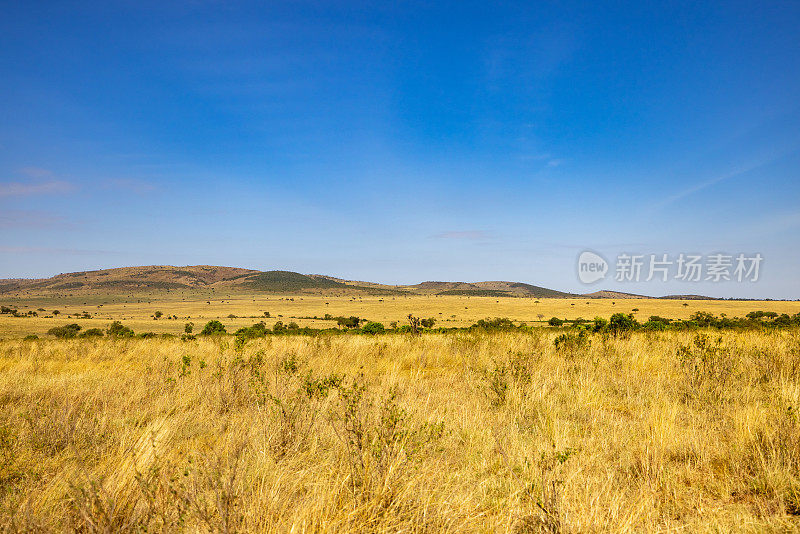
{"x": 65, "y": 332}
{"x": 373, "y": 327}
{"x": 555, "y": 321}
{"x": 654, "y": 326}
{"x": 250, "y": 332}
{"x": 348, "y": 322}
{"x": 117, "y": 329}
{"x": 572, "y": 342}
{"x": 499, "y": 323}
{"x": 621, "y": 324}
{"x": 213, "y": 328}
{"x": 92, "y": 332}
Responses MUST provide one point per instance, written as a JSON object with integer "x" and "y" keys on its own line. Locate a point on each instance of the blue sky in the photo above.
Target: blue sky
{"x": 401, "y": 142}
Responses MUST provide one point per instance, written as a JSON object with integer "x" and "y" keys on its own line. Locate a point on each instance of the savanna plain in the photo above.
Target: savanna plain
{"x": 470, "y": 430}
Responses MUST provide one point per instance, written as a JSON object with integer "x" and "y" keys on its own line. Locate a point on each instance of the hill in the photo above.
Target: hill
{"x": 487, "y": 289}
{"x": 209, "y": 277}
{"x": 606, "y": 294}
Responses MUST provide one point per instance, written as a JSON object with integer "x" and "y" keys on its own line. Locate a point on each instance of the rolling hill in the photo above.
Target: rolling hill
{"x": 209, "y": 277}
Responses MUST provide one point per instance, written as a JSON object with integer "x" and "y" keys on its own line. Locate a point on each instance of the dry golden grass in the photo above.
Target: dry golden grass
{"x": 462, "y": 432}
{"x": 197, "y": 307}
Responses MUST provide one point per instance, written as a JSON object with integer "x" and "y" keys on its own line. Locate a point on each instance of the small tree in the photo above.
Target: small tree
{"x": 413, "y": 322}
{"x": 621, "y": 323}
{"x": 117, "y": 329}
{"x": 428, "y": 323}
{"x": 213, "y": 328}
{"x": 348, "y": 322}
{"x": 373, "y": 327}
{"x": 188, "y": 327}
{"x": 555, "y": 321}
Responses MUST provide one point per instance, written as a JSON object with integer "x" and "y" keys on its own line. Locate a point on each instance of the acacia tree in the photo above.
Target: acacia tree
{"x": 414, "y": 323}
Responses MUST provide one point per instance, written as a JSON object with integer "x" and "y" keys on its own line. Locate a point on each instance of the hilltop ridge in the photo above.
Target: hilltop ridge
{"x": 211, "y": 277}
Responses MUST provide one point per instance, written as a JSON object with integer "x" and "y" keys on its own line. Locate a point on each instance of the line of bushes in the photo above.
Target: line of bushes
{"x": 617, "y": 324}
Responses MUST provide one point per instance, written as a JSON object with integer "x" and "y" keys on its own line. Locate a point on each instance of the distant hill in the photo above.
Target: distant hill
{"x": 689, "y": 297}
{"x": 605, "y": 294}
{"x": 128, "y": 279}
{"x": 198, "y": 277}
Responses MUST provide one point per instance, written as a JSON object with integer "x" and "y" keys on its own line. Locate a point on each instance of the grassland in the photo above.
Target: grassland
{"x": 461, "y": 432}
{"x": 467, "y": 431}
{"x": 199, "y": 306}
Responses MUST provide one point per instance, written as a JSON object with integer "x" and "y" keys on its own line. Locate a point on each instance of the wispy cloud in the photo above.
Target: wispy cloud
{"x": 699, "y": 186}
{"x": 464, "y": 234}
{"x": 12, "y": 189}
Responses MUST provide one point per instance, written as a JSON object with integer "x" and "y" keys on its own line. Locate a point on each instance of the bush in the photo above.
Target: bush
{"x": 500, "y": 323}
{"x": 213, "y": 328}
{"x": 555, "y": 321}
{"x": 92, "y": 332}
{"x": 31, "y": 337}
{"x": 348, "y": 322}
{"x": 654, "y": 326}
{"x": 65, "y": 332}
{"x": 251, "y": 332}
{"x": 621, "y": 323}
{"x": 600, "y": 324}
{"x": 571, "y": 342}
{"x": 188, "y": 327}
{"x": 373, "y": 328}
{"x": 428, "y": 323}
{"x": 117, "y": 329}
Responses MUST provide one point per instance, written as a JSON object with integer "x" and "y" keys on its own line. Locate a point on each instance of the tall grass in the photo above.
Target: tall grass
{"x": 468, "y": 432}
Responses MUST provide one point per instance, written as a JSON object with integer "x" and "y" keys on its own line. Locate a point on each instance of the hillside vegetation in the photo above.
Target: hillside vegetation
{"x": 135, "y": 280}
